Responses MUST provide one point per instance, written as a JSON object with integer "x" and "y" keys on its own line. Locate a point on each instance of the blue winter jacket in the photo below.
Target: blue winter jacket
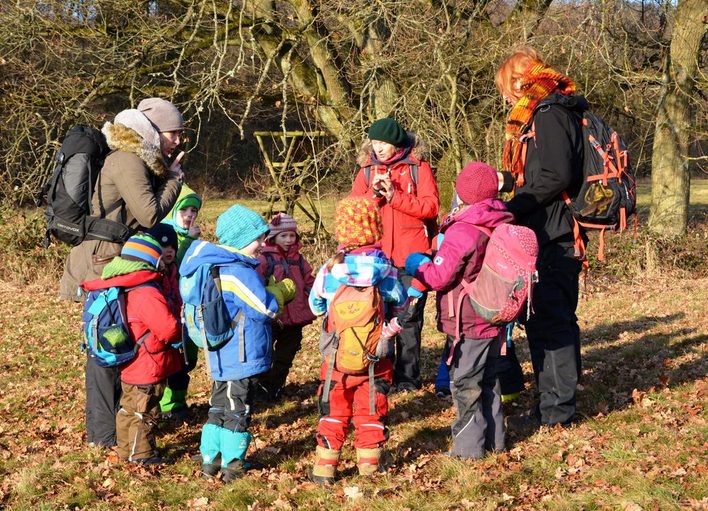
{"x": 247, "y": 301}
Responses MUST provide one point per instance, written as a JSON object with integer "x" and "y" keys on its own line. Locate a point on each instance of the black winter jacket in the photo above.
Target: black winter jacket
{"x": 554, "y": 163}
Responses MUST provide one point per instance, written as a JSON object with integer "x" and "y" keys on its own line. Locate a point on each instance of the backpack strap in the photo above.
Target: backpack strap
{"x": 413, "y": 168}
{"x": 330, "y": 365}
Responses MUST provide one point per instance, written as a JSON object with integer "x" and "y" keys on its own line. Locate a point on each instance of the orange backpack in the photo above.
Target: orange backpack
{"x": 356, "y": 316}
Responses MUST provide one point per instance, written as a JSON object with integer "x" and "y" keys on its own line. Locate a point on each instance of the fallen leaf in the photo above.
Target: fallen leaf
{"x": 353, "y": 492}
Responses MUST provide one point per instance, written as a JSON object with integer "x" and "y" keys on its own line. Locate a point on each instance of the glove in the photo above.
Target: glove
{"x": 283, "y": 291}
{"x": 414, "y": 260}
{"x": 390, "y": 329}
{"x": 414, "y": 293}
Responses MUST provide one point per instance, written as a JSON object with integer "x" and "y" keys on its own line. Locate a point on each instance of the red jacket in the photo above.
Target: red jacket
{"x": 147, "y": 311}
{"x": 404, "y": 217}
{"x": 296, "y": 312}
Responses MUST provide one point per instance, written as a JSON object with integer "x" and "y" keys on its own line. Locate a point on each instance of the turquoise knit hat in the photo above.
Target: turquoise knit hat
{"x": 238, "y": 226}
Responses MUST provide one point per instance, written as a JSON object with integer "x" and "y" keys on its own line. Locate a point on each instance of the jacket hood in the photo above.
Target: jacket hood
{"x": 203, "y": 252}
{"x": 419, "y": 150}
{"x": 362, "y": 268}
{"x": 487, "y": 213}
{"x": 186, "y": 195}
{"x": 129, "y": 139}
{"x": 126, "y": 280}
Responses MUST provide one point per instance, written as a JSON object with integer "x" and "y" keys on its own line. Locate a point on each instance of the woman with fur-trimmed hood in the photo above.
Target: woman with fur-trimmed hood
{"x": 135, "y": 187}
{"x": 138, "y": 188}
{"x": 409, "y": 207}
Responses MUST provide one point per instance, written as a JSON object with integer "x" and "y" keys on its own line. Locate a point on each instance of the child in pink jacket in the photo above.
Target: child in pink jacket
{"x": 474, "y": 343}
{"x": 281, "y": 258}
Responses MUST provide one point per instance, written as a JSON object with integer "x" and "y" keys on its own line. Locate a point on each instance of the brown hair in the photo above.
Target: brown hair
{"x": 513, "y": 68}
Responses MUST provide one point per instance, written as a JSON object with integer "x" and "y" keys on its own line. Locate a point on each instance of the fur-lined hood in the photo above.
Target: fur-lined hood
{"x": 419, "y": 150}
{"x": 132, "y": 132}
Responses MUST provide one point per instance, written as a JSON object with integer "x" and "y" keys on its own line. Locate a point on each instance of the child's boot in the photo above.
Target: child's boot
{"x": 234, "y": 445}
{"x": 325, "y": 466}
{"x": 209, "y": 448}
{"x": 367, "y": 460}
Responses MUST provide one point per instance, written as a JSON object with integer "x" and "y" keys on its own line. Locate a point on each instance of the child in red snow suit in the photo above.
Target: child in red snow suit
{"x": 281, "y": 258}
{"x": 359, "y": 262}
{"x": 143, "y": 379}
{"x": 473, "y": 354}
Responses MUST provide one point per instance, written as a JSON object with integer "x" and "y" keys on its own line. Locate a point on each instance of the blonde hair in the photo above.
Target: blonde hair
{"x": 509, "y": 74}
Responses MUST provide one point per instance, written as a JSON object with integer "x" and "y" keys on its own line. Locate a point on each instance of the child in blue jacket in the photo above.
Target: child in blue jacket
{"x": 234, "y": 367}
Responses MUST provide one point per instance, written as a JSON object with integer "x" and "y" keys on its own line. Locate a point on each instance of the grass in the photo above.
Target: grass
{"x": 640, "y": 444}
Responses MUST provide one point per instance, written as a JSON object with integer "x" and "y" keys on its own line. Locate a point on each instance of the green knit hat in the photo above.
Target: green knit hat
{"x": 388, "y": 130}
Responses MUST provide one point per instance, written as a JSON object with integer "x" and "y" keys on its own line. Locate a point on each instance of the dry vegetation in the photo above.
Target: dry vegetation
{"x": 641, "y": 443}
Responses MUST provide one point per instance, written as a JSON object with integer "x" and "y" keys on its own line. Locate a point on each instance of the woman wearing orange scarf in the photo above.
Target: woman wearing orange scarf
{"x": 544, "y": 153}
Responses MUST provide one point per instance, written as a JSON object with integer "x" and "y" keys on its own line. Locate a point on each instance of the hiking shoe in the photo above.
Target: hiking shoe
{"x": 180, "y": 415}
{"x": 321, "y": 480}
{"x": 211, "y": 470}
{"x": 154, "y": 460}
{"x": 231, "y": 472}
{"x": 442, "y": 393}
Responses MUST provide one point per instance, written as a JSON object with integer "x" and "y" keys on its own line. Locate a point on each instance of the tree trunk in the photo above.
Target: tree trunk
{"x": 670, "y": 178}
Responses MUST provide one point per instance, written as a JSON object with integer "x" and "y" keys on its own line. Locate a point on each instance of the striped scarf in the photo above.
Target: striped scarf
{"x": 537, "y": 82}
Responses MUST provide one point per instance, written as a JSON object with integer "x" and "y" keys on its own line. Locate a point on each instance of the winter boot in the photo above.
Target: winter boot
{"x": 209, "y": 448}
{"x": 325, "y": 466}
{"x": 234, "y": 445}
{"x": 367, "y": 460}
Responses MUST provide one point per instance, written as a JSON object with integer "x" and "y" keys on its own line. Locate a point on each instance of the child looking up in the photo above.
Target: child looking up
{"x": 475, "y": 391}
{"x": 359, "y": 262}
{"x": 236, "y": 365}
{"x": 149, "y": 319}
{"x": 281, "y": 258}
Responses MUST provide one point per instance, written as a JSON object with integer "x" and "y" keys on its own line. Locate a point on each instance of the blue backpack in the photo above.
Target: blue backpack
{"x": 204, "y": 312}
{"x": 105, "y": 327}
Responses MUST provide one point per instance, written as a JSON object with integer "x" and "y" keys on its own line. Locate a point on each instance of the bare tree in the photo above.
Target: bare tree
{"x": 675, "y": 116}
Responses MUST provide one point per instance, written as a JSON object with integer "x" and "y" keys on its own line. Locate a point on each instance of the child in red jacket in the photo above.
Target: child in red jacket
{"x": 150, "y": 320}
{"x": 281, "y": 258}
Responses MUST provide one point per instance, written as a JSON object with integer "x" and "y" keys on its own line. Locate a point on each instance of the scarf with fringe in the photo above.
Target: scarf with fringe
{"x": 537, "y": 82}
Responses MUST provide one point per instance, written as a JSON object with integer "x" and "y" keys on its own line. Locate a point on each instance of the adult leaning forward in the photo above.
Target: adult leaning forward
{"x": 552, "y": 164}
{"x": 136, "y": 187}
{"x": 388, "y": 158}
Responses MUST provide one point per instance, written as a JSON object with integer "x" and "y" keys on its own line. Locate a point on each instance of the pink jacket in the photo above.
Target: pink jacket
{"x": 293, "y": 266}
{"x": 460, "y": 256}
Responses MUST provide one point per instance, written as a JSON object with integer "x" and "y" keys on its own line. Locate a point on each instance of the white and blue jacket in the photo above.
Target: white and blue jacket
{"x": 248, "y": 303}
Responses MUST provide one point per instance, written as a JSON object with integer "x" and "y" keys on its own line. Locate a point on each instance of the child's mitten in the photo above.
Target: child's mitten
{"x": 283, "y": 291}
{"x": 414, "y": 260}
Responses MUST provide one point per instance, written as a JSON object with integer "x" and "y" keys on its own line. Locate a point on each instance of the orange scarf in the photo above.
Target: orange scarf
{"x": 537, "y": 82}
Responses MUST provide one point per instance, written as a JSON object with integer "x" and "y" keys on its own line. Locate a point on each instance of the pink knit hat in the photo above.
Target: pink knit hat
{"x": 476, "y": 182}
{"x": 281, "y": 222}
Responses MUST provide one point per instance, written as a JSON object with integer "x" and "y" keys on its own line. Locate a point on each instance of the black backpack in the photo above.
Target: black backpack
{"x": 608, "y": 195}
{"x": 69, "y": 191}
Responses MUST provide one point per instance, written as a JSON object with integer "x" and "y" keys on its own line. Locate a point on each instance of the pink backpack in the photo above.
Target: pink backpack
{"x": 505, "y": 282}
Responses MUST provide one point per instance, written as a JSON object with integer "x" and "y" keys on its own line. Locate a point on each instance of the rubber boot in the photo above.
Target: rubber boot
{"x": 367, "y": 460}
{"x": 173, "y": 399}
{"x": 210, "y": 448}
{"x": 234, "y": 445}
{"x": 325, "y": 466}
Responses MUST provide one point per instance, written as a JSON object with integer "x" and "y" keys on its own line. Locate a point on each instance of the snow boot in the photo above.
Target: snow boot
{"x": 325, "y": 466}
{"x": 367, "y": 460}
